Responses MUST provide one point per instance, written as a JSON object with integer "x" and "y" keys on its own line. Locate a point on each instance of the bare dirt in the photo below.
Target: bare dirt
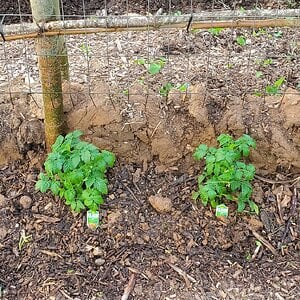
{"x": 175, "y": 248}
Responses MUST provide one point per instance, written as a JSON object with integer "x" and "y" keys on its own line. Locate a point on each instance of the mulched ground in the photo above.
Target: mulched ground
{"x": 63, "y": 259}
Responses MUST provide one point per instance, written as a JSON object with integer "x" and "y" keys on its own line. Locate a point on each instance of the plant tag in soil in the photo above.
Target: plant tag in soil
{"x": 222, "y": 210}
{"x": 92, "y": 219}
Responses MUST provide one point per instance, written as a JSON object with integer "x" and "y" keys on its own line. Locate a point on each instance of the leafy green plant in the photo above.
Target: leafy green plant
{"x": 267, "y": 62}
{"x": 259, "y": 74}
{"x": 215, "y": 31}
{"x": 241, "y": 40}
{"x": 153, "y": 67}
{"x": 85, "y": 48}
{"x": 165, "y": 89}
{"x": 278, "y": 34}
{"x": 75, "y": 171}
{"x": 156, "y": 66}
{"x": 259, "y": 32}
{"x": 225, "y": 176}
{"x": 274, "y": 88}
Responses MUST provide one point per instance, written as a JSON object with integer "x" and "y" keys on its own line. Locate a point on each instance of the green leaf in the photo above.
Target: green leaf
{"x": 58, "y": 142}
{"x": 55, "y": 188}
{"x": 108, "y": 157}
{"x": 86, "y": 156}
{"x": 224, "y": 139}
{"x": 43, "y": 184}
{"x": 253, "y": 207}
{"x": 101, "y": 186}
{"x": 154, "y": 68}
{"x": 241, "y": 40}
{"x": 89, "y": 181}
{"x": 70, "y": 195}
{"x": 195, "y": 195}
{"x": 209, "y": 168}
{"x": 200, "y": 179}
{"x": 241, "y": 205}
{"x": 200, "y": 152}
{"x": 75, "y": 160}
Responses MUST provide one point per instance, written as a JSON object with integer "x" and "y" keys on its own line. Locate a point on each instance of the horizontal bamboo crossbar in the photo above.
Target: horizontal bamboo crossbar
{"x": 203, "y": 20}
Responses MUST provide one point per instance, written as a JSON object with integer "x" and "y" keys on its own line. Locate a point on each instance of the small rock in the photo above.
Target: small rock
{"x": 3, "y": 232}
{"x": 161, "y": 204}
{"x": 25, "y": 202}
{"x": 100, "y": 261}
{"x": 97, "y": 251}
{"x": 2, "y": 201}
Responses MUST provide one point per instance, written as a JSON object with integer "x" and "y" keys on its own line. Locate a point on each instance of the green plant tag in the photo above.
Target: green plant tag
{"x": 222, "y": 210}
{"x": 92, "y": 219}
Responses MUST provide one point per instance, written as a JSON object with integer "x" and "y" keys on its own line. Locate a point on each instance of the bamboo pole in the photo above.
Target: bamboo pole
{"x": 204, "y": 20}
{"x": 50, "y": 51}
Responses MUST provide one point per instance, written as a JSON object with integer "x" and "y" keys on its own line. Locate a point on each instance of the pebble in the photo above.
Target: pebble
{"x": 2, "y": 201}
{"x": 3, "y": 232}
{"x": 161, "y": 204}
{"x": 99, "y": 261}
{"x": 25, "y": 202}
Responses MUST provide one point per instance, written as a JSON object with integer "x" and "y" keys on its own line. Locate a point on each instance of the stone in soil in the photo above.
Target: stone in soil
{"x": 161, "y": 204}
{"x": 25, "y": 202}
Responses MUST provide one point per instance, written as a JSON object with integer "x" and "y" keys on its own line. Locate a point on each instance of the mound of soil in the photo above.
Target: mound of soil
{"x": 168, "y": 129}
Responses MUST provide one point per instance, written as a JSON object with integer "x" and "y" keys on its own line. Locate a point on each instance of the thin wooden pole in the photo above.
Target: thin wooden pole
{"x": 50, "y": 51}
{"x": 205, "y": 20}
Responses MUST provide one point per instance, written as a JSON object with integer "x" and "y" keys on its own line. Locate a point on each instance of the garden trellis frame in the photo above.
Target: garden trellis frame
{"x": 103, "y": 23}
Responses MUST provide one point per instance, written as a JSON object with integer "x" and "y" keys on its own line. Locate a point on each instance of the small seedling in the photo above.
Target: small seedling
{"x": 267, "y": 62}
{"x": 182, "y": 87}
{"x": 225, "y": 176}
{"x": 177, "y": 13}
{"x": 215, "y": 31}
{"x": 258, "y": 74}
{"x": 259, "y": 32}
{"x": 278, "y": 34}
{"x": 274, "y": 88}
{"x": 298, "y": 86}
{"x": 241, "y": 40}
{"x": 24, "y": 239}
{"x": 86, "y": 49}
{"x": 153, "y": 67}
{"x": 156, "y": 66}
{"x": 230, "y": 65}
{"x": 165, "y": 89}
{"x": 75, "y": 171}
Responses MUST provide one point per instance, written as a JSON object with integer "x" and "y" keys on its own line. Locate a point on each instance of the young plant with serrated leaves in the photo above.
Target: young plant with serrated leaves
{"x": 75, "y": 171}
{"x": 226, "y": 177}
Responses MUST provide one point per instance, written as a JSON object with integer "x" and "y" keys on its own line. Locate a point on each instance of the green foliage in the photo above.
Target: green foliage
{"x": 259, "y": 74}
{"x": 241, "y": 40}
{"x": 156, "y": 66}
{"x": 75, "y": 171}
{"x": 215, "y": 31}
{"x": 165, "y": 89}
{"x": 153, "y": 67}
{"x": 274, "y": 88}
{"x": 226, "y": 176}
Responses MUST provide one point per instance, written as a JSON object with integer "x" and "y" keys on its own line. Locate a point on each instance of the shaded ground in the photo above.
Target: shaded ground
{"x": 59, "y": 261}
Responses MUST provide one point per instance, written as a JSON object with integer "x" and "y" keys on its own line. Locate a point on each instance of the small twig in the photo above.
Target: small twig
{"x": 66, "y": 295}
{"x": 263, "y": 240}
{"x": 292, "y": 213}
{"x": 294, "y": 180}
{"x": 186, "y": 276}
{"x": 129, "y": 288}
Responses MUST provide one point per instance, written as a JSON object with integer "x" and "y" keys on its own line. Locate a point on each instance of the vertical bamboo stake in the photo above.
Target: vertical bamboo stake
{"x": 51, "y": 54}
